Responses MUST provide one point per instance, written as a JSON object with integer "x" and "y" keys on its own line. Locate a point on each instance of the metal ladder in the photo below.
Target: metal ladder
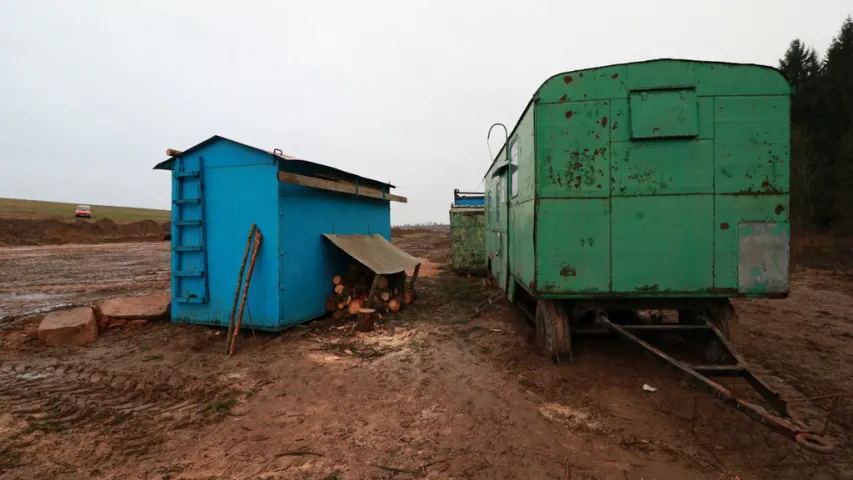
{"x": 189, "y": 254}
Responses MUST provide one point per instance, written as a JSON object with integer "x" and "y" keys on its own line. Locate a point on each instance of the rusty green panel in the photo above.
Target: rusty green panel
{"x": 496, "y": 226}
{"x": 573, "y": 149}
{"x": 524, "y": 135}
{"x": 662, "y": 244}
{"x": 621, "y": 128}
{"x": 584, "y": 85}
{"x": 467, "y": 239}
{"x": 521, "y": 249}
{"x": 731, "y": 211}
{"x": 664, "y": 113}
{"x": 723, "y": 79}
{"x": 660, "y": 74}
{"x": 752, "y": 144}
{"x": 662, "y": 168}
{"x": 573, "y": 246}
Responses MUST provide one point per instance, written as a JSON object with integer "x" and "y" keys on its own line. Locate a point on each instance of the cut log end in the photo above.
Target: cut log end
{"x": 355, "y": 307}
{"x": 364, "y": 322}
{"x": 337, "y": 280}
{"x": 393, "y": 305}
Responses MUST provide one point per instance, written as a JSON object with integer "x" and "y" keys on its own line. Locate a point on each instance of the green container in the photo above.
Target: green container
{"x": 467, "y": 234}
{"x": 666, "y": 178}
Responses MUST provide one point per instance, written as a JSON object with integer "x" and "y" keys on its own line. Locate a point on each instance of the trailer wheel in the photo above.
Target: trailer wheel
{"x": 553, "y": 337}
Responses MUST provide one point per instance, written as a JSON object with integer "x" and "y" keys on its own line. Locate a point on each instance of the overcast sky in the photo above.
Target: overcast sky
{"x": 93, "y": 92}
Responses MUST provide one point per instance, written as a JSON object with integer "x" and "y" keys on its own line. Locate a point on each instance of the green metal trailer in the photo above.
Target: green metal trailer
{"x": 467, "y": 233}
{"x": 652, "y": 185}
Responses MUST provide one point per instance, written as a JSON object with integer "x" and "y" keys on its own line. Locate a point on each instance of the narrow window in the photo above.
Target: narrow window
{"x": 513, "y": 167}
{"x": 489, "y": 207}
{"x": 501, "y": 179}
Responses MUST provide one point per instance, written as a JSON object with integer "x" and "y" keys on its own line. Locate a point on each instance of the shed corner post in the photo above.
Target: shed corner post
{"x": 371, "y": 297}
{"x": 415, "y": 276}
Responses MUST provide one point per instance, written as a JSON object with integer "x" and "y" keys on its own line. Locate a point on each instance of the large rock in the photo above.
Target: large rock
{"x": 76, "y": 326}
{"x": 129, "y": 308}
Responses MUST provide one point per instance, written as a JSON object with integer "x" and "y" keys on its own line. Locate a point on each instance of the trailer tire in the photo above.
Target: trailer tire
{"x": 553, "y": 336}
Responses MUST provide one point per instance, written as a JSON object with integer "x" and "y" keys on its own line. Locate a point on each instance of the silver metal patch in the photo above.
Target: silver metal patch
{"x": 763, "y": 257}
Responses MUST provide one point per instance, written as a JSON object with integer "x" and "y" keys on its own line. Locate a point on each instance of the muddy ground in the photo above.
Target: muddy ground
{"x": 436, "y": 392}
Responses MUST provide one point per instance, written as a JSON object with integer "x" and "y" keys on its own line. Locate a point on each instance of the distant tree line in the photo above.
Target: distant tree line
{"x": 822, "y": 131}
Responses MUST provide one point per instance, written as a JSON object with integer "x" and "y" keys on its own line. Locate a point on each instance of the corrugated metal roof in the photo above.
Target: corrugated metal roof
{"x": 374, "y": 252}
{"x": 167, "y": 164}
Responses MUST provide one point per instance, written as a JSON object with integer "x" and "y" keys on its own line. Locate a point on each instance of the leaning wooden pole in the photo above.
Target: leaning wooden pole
{"x": 237, "y": 292}
{"x": 257, "y": 246}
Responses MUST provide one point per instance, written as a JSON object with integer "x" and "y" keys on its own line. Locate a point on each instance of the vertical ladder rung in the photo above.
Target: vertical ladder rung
{"x": 188, "y": 223}
{"x": 187, "y": 273}
{"x": 187, "y": 248}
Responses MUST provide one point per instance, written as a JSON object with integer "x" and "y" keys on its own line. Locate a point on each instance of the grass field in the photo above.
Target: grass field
{"x": 14, "y": 208}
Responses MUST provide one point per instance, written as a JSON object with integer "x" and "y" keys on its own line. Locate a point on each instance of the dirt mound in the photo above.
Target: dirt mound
{"x": 56, "y": 232}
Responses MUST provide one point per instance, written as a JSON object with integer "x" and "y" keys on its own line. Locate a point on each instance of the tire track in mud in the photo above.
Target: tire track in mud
{"x": 135, "y": 410}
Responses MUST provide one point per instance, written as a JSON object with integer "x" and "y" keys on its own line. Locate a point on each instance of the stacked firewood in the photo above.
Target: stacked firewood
{"x": 352, "y": 292}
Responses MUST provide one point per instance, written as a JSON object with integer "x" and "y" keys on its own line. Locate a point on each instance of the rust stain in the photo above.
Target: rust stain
{"x": 724, "y": 226}
{"x": 568, "y": 271}
{"x": 563, "y": 98}
{"x": 581, "y": 75}
{"x": 649, "y": 288}
{"x": 765, "y": 184}
{"x": 595, "y": 152}
{"x": 615, "y": 124}
{"x": 568, "y": 79}
{"x": 656, "y": 130}
{"x": 531, "y": 286}
{"x": 779, "y": 209}
{"x": 603, "y": 121}
{"x": 569, "y": 114}
{"x": 614, "y": 76}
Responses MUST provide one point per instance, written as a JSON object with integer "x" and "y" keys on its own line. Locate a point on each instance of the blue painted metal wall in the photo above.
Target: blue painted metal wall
{"x": 240, "y": 188}
{"x": 469, "y": 202}
{"x": 295, "y": 264}
{"x": 307, "y": 260}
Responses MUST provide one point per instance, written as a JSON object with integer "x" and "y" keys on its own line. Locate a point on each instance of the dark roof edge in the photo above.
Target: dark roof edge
{"x": 167, "y": 164}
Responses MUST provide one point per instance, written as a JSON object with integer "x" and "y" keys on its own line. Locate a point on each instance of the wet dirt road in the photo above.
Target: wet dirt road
{"x": 34, "y": 279}
{"x": 433, "y": 393}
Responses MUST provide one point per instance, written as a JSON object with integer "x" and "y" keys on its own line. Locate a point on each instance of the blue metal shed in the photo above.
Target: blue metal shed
{"x": 468, "y": 199}
{"x": 221, "y": 187}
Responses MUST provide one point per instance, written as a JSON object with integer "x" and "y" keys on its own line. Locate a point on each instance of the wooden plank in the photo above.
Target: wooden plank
{"x": 337, "y": 186}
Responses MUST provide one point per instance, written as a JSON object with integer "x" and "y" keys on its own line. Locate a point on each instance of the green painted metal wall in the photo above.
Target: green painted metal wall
{"x": 467, "y": 239}
{"x": 496, "y": 219}
{"x": 657, "y": 178}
